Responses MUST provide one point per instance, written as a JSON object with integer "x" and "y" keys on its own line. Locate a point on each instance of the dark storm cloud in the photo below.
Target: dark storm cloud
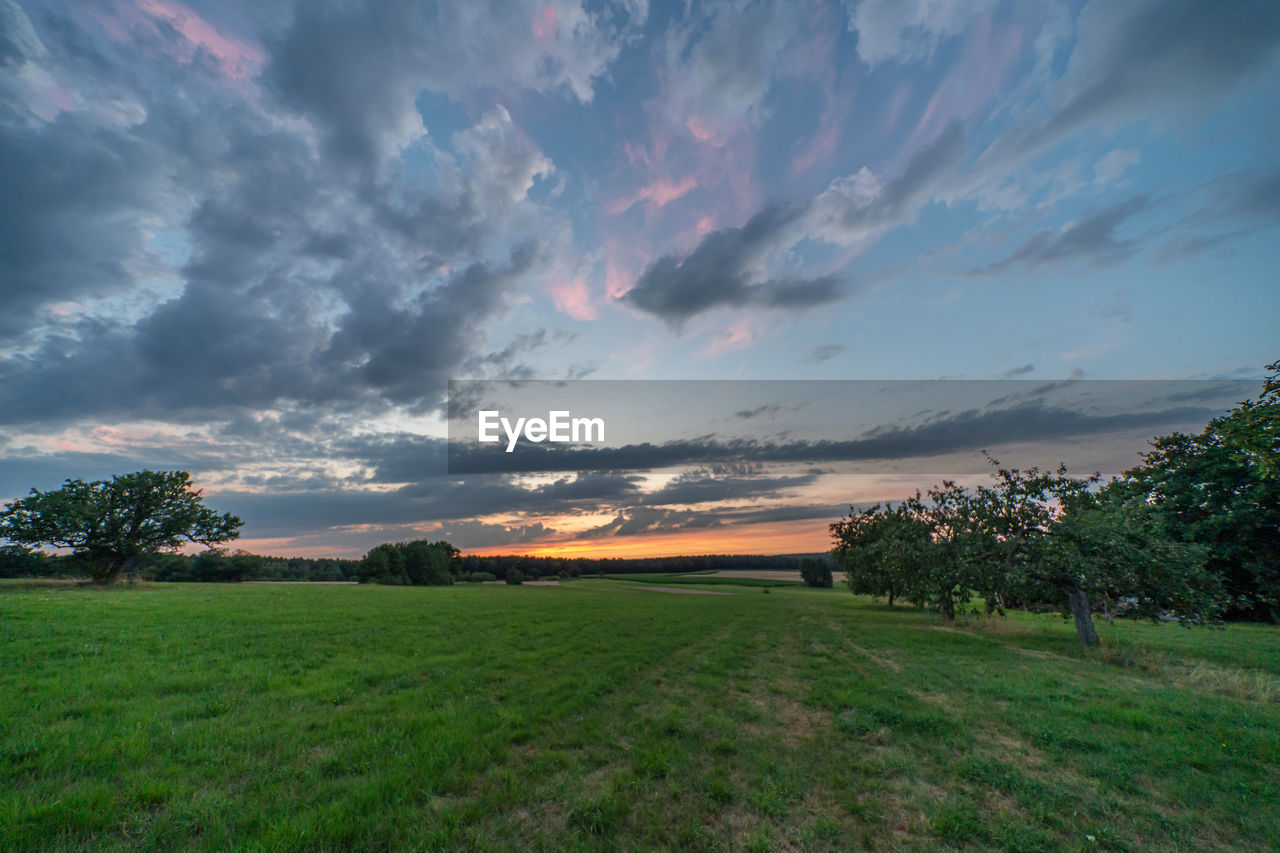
{"x": 720, "y": 272}
{"x": 305, "y": 281}
{"x": 346, "y": 68}
{"x": 74, "y": 196}
{"x": 1131, "y": 58}
{"x": 1090, "y": 239}
{"x": 946, "y": 433}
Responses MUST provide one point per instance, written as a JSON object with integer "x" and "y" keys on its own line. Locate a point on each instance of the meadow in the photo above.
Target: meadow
{"x": 608, "y": 715}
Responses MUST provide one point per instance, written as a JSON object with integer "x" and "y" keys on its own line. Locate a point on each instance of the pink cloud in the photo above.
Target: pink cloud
{"x": 986, "y": 57}
{"x": 546, "y": 24}
{"x": 740, "y": 335}
{"x": 573, "y": 298}
{"x": 623, "y": 262}
{"x": 237, "y": 59}
{"x": 820, "y": 148}
{"x": 659, "y": 193}
{"x": 703, "y": 130}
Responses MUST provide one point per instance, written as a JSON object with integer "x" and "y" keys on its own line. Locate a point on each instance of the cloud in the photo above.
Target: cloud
{"x": 1091, "y": 238}
{"x": 1160, "y": 55}
{"x": 720, "y": 66}
{"x": 826, "y": 352}
{"x": 236, "y": 58}
{"x": 77, "y": 199}
{"x": 1113, "y": 164}
{"x": 857, "y": 205}
{"x": 501, "y": 164}
{"x": 210, "y": 257}
{"x": 1022, "y": 370}
{"x": 702, "y": 487}
{"x": 896, "y": 31}
{"x": 356, "y": 70}
{"x": 642, "y": 521}
{"x": 725, "y": 271}
{"x": 945, "y": 433}
{"x": 659, "y": 193}
{"x": 728, "y": 267}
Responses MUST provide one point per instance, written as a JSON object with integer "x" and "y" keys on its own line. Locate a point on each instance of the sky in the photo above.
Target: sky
{"x": 255, "y": 241}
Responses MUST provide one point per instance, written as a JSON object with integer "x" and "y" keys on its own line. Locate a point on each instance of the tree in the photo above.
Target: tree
{"x": 815, "y": 572}
{"x": 1049, "y": 537}
{"x": 107, "y": 523}
{"x": 1221, "y": 490}
{"x": 884, "y": 550}
{"x": 18, "y": 561}
{"x": 1013, "y": 520}
{"x": 418, "y": 563}
{"x": 1115, "y": 547}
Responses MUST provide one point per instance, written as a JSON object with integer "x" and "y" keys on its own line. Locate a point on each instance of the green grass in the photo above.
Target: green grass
{"x": 701, "y": 579}
{"x": 603, "y": 716}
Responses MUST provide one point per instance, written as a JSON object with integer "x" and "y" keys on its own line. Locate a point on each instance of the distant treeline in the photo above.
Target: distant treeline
{"x": 572, "y": 567}
{"x": 209, "y": 567}
{"x": 410, "y": 563}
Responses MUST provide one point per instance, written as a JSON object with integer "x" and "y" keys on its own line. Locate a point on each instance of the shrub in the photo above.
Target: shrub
{"x": 815, "y": 572}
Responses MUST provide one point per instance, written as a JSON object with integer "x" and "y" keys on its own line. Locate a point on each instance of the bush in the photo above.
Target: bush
{"x": 515, "y": 577}
{"x": 478, "y": 577}
{"x": 418, "y": 563}
{"x": 815, "y": 572}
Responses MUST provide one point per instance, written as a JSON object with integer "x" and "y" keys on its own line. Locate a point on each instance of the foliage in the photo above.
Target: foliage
{"x": 18, "y": 561}
{"x": 537, "y": 566}
{"x": 884, "y": 550}
{"x": 416, "y": 563}
{"x": 1116, "y": 549}
{"x": 1221, "y": 490}
{"x": 515, "y": 577}
{"x": 107, "y": 523}
{"x": 1192, "y": 533}
{"x": 1031, "y": 538}
{"x": 815, "y": 572}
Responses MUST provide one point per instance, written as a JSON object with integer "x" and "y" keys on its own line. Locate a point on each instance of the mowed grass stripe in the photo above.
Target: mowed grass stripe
{"x": 586, "y": 716}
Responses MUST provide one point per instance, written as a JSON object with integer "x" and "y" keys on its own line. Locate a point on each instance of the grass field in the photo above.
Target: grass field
{"x": 711, "y": 579}
{"x": 601, "y": 715}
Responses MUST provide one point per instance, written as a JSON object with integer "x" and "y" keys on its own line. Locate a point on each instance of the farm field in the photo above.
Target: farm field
{"x": 597, "y": 715}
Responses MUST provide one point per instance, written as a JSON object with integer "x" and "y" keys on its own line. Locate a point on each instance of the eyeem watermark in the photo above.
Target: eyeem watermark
{"x": 559, "y": 427}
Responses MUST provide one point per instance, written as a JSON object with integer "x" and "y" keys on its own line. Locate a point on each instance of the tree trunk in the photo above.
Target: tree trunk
{"x": 1079, "y": 603}
{"x": 107, "y": 571}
